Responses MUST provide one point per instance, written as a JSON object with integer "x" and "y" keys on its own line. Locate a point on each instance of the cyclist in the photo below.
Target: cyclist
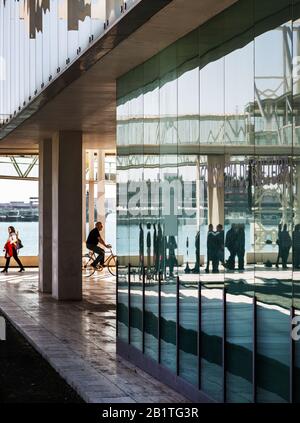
{"x": 92, "y": 242}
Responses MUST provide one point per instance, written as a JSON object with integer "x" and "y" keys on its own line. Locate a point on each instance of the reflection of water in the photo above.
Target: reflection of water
{"x": 129, "y": 236}
{"x": 28, "y": 233}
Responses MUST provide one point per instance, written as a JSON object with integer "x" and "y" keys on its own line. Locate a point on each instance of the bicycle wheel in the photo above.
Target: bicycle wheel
{"x": 87, "y": 268}
{"x": 112, "y": 265}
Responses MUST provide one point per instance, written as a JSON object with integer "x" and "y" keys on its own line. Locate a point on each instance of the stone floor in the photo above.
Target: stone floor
{"x": 78, "y": 339}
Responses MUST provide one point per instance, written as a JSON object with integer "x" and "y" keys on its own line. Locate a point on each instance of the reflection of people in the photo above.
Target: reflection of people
{"x": 172, "y": 260}
{"x": 241, "y": 245}
{"x": 235, "y": 243}
{"x": 285, "y": 244}
{"x": 148, "y": 242}
{"x": 141, "y": 249}
{"x": 220, "y": 243}
{"x": 92, "y": 244}
{"x": 160, "y": 249}
{"x": 296, "y": 247}
{"x": 231, "y": 247}
{"x": 164, "y": 255}
{"x": 197, "y": 248}
{"x": 11, "y": 249}
{"x": 209, "y": 245}
{"x": 279, "y": 247}
{"x": 217, "y": 248}
{"x": 155, "y": 250}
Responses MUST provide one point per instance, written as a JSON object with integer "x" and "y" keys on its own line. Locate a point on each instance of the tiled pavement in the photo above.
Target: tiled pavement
{"x": 78, "y": 339}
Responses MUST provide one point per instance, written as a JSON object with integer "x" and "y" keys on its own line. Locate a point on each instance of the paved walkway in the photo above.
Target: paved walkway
{"x": 78, "y": 339}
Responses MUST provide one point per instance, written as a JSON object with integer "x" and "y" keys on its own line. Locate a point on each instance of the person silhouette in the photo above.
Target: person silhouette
{"x": 155, "y": 250}
{"x": 209, "y": 246}
{"x": 231, "y": 245}
{"x": 279, "y": 246}
{"x": 172, "y": 260}
{"x": 160, "y": 249}
{"x": 141, "y": 250}
{"x": 296, "y": 247}
{"x": 285, "y": 243}
{"x": 220, "y": 244}
{"x": 148, "y": 244}
{"x": 196, "y": 268}
{"x": 240, "y": 246}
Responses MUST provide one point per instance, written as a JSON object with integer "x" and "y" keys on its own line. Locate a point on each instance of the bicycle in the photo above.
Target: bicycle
{"x": 110, "y": 262}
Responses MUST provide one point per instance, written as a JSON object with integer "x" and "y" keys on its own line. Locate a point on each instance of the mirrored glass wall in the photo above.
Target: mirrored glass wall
{"x": 208, "y": 215}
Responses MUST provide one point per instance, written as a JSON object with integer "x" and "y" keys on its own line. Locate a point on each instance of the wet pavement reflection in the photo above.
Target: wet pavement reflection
{"x": 79, "y": 339}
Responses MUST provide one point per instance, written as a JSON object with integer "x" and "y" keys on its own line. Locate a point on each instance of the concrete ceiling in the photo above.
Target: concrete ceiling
{"x": 85, "y": 98}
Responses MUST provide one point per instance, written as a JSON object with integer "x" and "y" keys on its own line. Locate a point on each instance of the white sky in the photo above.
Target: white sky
{"x": 17, "y": 190}
{"x": 22, "y": 190}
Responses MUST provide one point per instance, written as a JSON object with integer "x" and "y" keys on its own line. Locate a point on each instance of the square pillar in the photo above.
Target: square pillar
{"x": 83, "y": 196}
{"x": 215, "y": 182}
{"x": 101, "y": 190}
{"x": 67, "y": 215}
{"x": 45, "y": 216}
{"x": 91, "y": 190}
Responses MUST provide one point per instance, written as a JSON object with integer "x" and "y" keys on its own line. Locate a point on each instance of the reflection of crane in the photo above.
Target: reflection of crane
{"x": 262, "y": 232}
{"x": 273, "y": 94}
{"x": 280, "y": 190}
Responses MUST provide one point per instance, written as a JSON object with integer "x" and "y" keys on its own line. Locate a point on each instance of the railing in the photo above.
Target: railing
{"x": 4, "y": 119}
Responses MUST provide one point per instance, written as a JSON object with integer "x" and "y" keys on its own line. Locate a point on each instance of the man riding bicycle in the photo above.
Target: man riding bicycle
{"x": 92, "y": 242}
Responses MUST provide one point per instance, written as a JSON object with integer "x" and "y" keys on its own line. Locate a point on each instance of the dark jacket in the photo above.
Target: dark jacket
{"x": 230, "y": 240}
{"x": 285, "y": 240}
{"x": 296, "y": 240}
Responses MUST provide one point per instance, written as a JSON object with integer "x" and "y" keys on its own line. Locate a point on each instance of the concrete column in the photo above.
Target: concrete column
{"x": 91, "y": 191}
{"x": 67, "y": 215}
{"x": 101, "y": 190}
{"x": 216, "y": 165}
{"x": 45, "y": 216}
{"x": 84, "y": 196}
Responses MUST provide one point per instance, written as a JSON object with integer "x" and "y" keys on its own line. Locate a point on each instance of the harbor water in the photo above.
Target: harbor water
{"x": 29, "y": 233}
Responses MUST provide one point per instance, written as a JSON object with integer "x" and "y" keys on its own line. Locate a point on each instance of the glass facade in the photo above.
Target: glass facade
{"x": 208, "y": 206}
{"x": 39, "y": 39}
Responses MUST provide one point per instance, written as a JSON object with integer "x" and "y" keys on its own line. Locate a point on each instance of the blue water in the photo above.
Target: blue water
{"x": 28, "y": 233}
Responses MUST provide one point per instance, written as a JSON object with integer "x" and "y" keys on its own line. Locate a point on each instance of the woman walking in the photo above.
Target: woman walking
{"x": 11, "y": 249}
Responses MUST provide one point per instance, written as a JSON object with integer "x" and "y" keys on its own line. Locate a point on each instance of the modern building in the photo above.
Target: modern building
{"x": 200, "y": 102}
